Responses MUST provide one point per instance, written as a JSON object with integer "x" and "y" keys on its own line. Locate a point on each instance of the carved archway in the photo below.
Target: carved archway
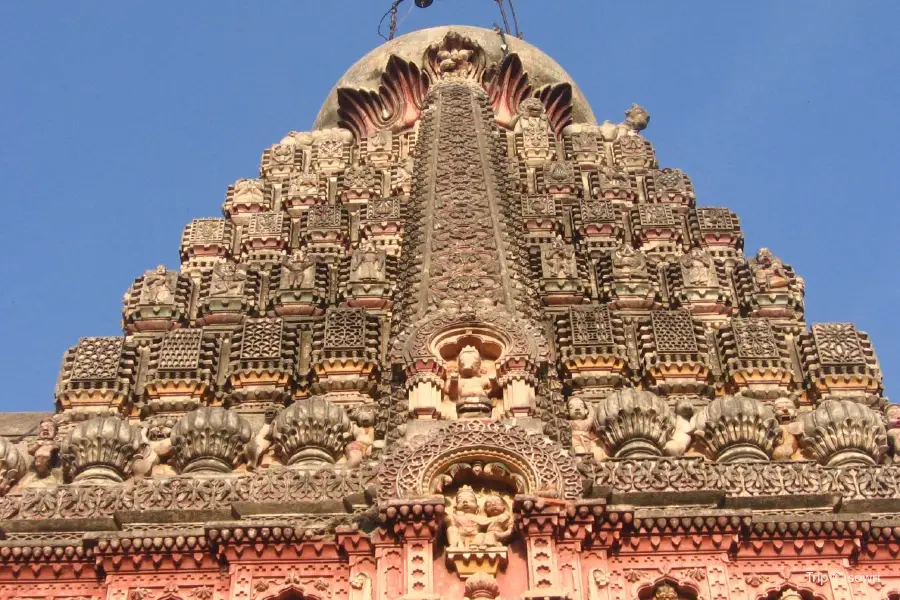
{"x": 528, "y": 462}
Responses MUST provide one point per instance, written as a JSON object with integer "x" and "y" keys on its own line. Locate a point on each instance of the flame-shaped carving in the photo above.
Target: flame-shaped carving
{"x": 396, "y": 105}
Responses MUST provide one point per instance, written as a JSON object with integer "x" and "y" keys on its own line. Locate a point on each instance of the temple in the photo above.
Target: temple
{"x": 460, "y": 342}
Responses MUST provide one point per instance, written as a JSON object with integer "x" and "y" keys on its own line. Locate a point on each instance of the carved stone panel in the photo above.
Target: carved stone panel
{"x": 838, "y": 344}
{"x": 97, "y": 358}
{"x": 262, "y": 339}
{"x": 754, "y": 339}
{"x": 345, "y": 328}
{"x": 674, "y": 331}
{"x": 180, "y": 350}
{"x": 656, "y": 215}
{"x": 715, "y": 219}
{"x": 324, "y": 216}
{"x": 538, "y": 206}
{"x": 591, "y": 326}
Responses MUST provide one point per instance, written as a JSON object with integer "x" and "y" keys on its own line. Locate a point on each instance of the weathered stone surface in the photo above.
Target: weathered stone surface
{"x": 738, "y": 429}
{"x": 101, "y": 448}
{"x": 209, "y": 439}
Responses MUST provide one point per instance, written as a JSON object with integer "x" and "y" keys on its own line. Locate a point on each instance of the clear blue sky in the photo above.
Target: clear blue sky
{"x": 121, "y": 121}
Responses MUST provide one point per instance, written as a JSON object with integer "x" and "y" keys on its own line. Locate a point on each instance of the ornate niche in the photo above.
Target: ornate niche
{"x": 463, "y": 365}
{"x": 157, "y": 301}
{"x": 479, "y": 525}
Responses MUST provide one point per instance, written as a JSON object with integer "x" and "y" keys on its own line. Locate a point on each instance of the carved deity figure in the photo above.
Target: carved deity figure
{"x": 786, "y": 413}
{"x": 559, "y": 260}
{"x": 629, "y": 263}
{"x": 465, "y": 520}
{"x": 249, "y": 190}
{"x": 471, "y": 384}
{"x": 261, "y": 442}
{"x": 454, "y": 62}
{"x": 470, "y": 526}
{"x": 597, "y": 580}
{"x": 367, "y": 263}
{"x": 159, "y": 286}
{"x": 363, "y": 431}
{"x": 681, "y": 437}
{"x": 892, "y": 416}
{"x": 499, "y": 521}
{"x": 45, "y": 448}
{"x": 533, "y": 124}
{"x": 665, "y": 592}
{"x": 361, "y": 587}
{"x": 769, "y": 272}
{"x": 297, "y": 272}
{"x": 404, "y": 173}
{"x": 581, "y": 419}
{"x": 697, "y": 269}
{"x": 227, "y": 280}
{"x": 636, "y": 119}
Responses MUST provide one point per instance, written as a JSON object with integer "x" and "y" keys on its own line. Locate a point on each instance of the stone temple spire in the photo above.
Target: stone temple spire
{"x": 460, "y": 341}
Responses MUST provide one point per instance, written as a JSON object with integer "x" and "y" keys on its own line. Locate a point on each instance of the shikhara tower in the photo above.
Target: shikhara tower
{"x": 460, "y": 341}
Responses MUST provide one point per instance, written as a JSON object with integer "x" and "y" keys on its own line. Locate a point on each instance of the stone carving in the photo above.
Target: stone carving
{"x": 543, "y": 468}
{"x": 684, "y": 428}
{"x": 298, "y": 272}
{"x": 634, "y": 423}
{"x": 591, "y": 326}
{"x": 361, "y": 587}
{"x": 180, "y": 350}
{"x": 363, "y": 430}
{"x": 838, "y": 344}
{"x": 786, "y": 413}
{"x": 262, "y": 339}
{"x": 558, "y": 260}
{"x": 665, "y": 591}
{"x": 455, "y": 57}
{"x": 45, "y": 449}
{"x": 715, "y": 219}
{"x": 205, "y": 231}
{"x": 324, "y": 216}
{"x": 673, "y": 331}
{"x": 261, "y": 442}
{"x": 469, "y": 386}
{"x": 345, "y": 328}
{"x": 209, "y": 439}
{"x": 738, "y": 429}
{"x": 698, "y": 269}
{"x": 843, "y": 433}
{"x": 533, "y": 125}
{"x": 892, "y": 418}
{"x": 482, "y": 586}
{"x": 581, "y": 418}
{"x": 311, "y": 432}
{"x": 656, "y": 215}
{"x": 159, "y": 286}
{"x": 538, "y": 205}
{"x": 754, "y": 339}
{"x": 100, "y": 448}
{"x": 97, "y": 358}
{"x": 227, "y": 281}
{"x": 472, "y": 524}
{"x": 629, "y": 263}
{"x": 367, "y": 263}
{"x": 12, "y": 465}
{"x": 768, "y": 271}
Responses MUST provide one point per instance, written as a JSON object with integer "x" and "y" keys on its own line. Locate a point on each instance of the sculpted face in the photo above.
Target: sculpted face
{"x": 47, "y": 430}
{"x": 494, "y": 506}
{"x": 466, "y": 502}
{"x": 893, "y": 415}
{"x": 469, "y": 361}
{"x": 577, "y": 408}
{"x": 764, "y": 257}
{"x": 784, "y": 409}
{"x": 365, "y": 416}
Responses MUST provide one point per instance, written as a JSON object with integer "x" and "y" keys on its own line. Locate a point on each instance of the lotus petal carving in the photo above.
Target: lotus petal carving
{"x": 209, "y": 439}
{"x": 12, "y": 465}
{"x": 634, "y": 423}
{"x": 843, "y": 433}
{"x": 738, "y": 429}
{"x": 102, "y": 448}
{"x": 312, "y": 431}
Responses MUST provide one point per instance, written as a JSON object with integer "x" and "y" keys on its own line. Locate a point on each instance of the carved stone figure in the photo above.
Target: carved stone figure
{"x": 559, "y": 260}
{"x": 12, "y": 465}
{"x": 786, "y": 412}
{"x": 681, "y": 438}
{"x": 361, "y": 587}
{"x": 665, "y": 592}
{"x": 629, "y": 263}
{"x": 581, "y": 418}
{"x": 363, "y": 431}
{"x": 159, "y": 286}
{"x": 598, "y": 580}
{"x": 768, "y": 271}
{"x": 367, "y": 263}
{"x": 636, "y": 119}
{"x": 465, "y": 522}
{"x": 469, "y": 385}
{"x": 499, "y": 521}
{"x": 45, "y": 449}
{"x": 533, "y": 124}
{"x": 297, "y": 272}
{"x": 892, "y": 417}
{"x": 228, "y": 280}
{"x": 697, "y": 269}
{"x": 261, "y": 442}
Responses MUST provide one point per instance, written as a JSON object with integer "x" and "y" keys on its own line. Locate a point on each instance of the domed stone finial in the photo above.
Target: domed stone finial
{"x": 843, "y": 433}
{"x": 209, "y": 439}
{"x": 482, "y": 586}
{"x": 311, "y": 432}
{"x": 12, "y": 465}
{"x": 634, "y": 423}
{"x": 102, "y": 448}
{"x": 738, "y": 429}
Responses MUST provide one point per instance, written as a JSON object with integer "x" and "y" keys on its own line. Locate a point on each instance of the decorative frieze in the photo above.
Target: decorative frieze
{"x": 839, "y": 362}
{"x": 756, "y": 358}
{"x": 673, "y": 349}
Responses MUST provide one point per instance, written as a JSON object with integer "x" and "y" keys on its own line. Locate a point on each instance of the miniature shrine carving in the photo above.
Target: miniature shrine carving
{"x": 469, "y": 385}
